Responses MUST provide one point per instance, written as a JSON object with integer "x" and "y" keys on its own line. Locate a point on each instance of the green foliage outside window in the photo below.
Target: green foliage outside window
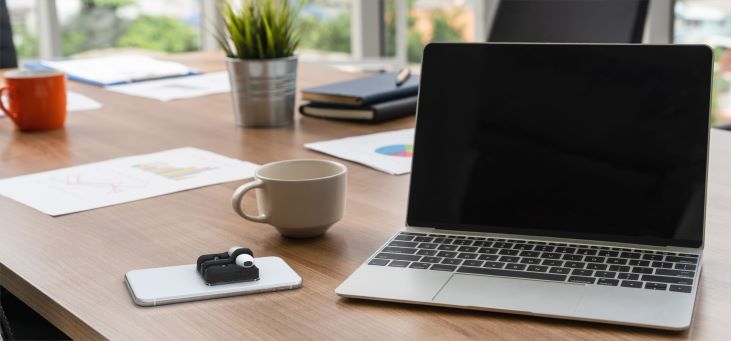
{"x": 330, "y": 35}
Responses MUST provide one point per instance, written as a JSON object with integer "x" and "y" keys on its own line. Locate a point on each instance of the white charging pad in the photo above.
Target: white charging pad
{"x": 176, "y": 284}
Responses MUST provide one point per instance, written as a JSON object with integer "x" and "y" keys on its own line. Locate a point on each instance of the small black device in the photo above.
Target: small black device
{"x": 235, "y": 265}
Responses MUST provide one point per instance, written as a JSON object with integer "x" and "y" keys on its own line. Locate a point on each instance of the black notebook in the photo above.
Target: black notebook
{"x": 373, "y": 113}
{"x": 363, "y": 91}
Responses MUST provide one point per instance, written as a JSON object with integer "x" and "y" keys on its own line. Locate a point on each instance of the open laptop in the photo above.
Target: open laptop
{"x": 559, "y": 180}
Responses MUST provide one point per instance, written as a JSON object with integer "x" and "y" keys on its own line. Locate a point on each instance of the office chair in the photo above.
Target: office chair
{"x": 8, "y": 57}
{"x": 569, "y": 21}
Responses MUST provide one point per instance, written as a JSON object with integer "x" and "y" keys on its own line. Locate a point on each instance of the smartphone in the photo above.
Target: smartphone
{"x": 176, "y": 284}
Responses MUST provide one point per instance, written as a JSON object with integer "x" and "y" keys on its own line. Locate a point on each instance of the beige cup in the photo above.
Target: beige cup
{"x": 300, "y": 198}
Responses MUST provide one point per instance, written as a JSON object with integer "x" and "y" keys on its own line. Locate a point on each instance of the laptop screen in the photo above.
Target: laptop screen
{"x": 601, "y": 142}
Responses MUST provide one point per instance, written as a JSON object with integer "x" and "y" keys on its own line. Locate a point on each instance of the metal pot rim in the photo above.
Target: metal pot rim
{"x": 237, "y": 60}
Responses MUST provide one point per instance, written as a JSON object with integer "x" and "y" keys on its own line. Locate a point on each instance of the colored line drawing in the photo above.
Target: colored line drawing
{"x": 400, "y": 150}
{"x": 171, "y": 172}
{"x": 73, "y": 183}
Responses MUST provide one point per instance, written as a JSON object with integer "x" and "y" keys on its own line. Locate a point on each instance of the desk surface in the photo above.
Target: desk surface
{"x": 70, "y": 268}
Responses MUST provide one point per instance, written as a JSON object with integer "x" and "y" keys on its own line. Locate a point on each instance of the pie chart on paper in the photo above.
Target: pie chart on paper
{"x": 400, "y": 150}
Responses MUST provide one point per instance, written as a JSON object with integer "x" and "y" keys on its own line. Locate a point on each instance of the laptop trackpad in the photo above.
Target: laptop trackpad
{"x": 501, "y": 293}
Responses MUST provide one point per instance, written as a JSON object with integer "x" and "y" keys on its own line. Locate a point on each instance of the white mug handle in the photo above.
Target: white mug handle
{"x": 239, "y": 195}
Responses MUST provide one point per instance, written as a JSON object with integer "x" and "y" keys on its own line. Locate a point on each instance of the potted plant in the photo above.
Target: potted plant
{"x": 259, "y": 39}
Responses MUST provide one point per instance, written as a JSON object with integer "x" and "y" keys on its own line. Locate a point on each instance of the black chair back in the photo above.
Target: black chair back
{"x": 8, "y": 56}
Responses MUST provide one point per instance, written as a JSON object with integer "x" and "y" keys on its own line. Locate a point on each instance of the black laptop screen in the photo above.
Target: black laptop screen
{"x": 605, "y": 142}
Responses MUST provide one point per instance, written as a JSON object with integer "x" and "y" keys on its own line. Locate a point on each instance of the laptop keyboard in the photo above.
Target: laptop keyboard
{"x": 548, "y": 261}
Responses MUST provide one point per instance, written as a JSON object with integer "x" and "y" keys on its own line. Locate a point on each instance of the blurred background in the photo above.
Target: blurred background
{"x": 353, "y": 34}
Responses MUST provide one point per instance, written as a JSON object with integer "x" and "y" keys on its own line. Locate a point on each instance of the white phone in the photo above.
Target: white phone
{"x": 176, "y": 284}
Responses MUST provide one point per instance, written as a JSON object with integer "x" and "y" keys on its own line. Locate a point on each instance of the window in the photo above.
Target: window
{"x": 23, "y": 19}
{"x": 158, "y": 25}
{"x": 326, "y": 28}
{"x": 709, "y": 22}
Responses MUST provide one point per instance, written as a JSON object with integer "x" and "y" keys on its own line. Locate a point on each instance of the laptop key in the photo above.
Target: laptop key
{"x": 564, "y": 271}
{"x": 607, "y": 281}
{"x": 605, "y": 274}
{"x": 631, "y": 284}
{"x": 665, "y": 265}
{"x": 488, "y": 257}
{"x": 509, "y": 252}
{"x": 575, "y": 265}
{"x": 581, "y": 279}
{"x": 394, "y": 249}
{"x": 624, "y": 275}
{"x": 509, "y": 259}
{"x": 397, "y": 256}
{"x": 637, "y": 262}
{"x": 572, "y": 257}
{"x": 537, "y": 268}
{"x": 530, "y": 254}
{"x": 423, "y": 239}
{"x": 551, "y": 255}
{"x": 431, "y": 259}
{"x": 472, "y": 263}
{"x": 620, "y": 268}
{"x": 482, "y": 243}
{"x": 448, "y": 254}
{"x": 462, "y": 242}
{"x": 618, "y": 261}
{"x": 509, "y": 273}
{"x": 399, "y": 243}
{"x": 667, "y": 279}
{"x": 681, "y": 266}
{"x": 686, "y": 260}
{"x": 679, "y": 273}
{"x": 641, "y": 270}
{"x": 594, "y": 259}
{"x": 563, "y": 249}
{"x": 680, "y": 288}
{"x": 494, "y": 265}
{"x": 552, "y": 262}
{"x": 379, "y": 262}
{"x": 502, "y": 245}
{"x": 530, "y": 261}
{"x": 425, "y": 252}
{"x": 404, "y": 237}
{"x": 648, "y": 256}
{"x": 596, "y": 266}
{"x": 580, "y": 272}
{"x": 467, "y": 249}
{"x": 607, "y": 253}
{"x": 488, "y": 250}
{"x": 514, "y": 266}
{"x": 451, "y": 261}
{"x": 544, "y": 248}
{"x": 523, "y": 247}
{"x": 399, "y": 264}
{"x": 656, "y": 286}
{"x": 632, "y": 255}
{"x": 588, "y": 252}
{"x": 416, "y": 265}
{"x": 446, "y": 247}
{"x": 443, "y": 267}
{"x": 466, "y": 255}
{"x": 430, "y": 246}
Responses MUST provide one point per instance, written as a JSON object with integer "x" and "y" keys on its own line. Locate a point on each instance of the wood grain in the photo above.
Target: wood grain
{"x": 70, "y": 268}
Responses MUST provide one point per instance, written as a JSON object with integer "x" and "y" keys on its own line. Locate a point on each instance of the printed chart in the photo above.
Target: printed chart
{"x": 388, "y": 152}
{"x": 100, "y": 184}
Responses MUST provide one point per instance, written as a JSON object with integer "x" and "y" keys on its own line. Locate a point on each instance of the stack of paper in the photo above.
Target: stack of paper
{"x": 113, "y": 70}
{"x": 177, "y": 88}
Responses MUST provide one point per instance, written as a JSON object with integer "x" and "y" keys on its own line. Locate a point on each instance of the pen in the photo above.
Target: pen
{"x": 403, "y": 76}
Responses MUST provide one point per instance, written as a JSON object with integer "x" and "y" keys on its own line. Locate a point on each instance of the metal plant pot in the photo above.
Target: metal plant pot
{"x": 263, "y": 91}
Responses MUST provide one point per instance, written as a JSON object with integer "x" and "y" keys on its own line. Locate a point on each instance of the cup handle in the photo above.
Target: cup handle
{"x": 239, "y": 195}
{"x": 2, "y": 106}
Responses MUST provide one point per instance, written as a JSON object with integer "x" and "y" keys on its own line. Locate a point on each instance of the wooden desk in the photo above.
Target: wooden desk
{"x": 70, "y": 268}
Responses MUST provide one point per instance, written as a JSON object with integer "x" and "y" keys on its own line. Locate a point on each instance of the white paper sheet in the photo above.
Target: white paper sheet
{"x": 74, "y": 102}
{"x": 117, "y": 69}
{"x": 177, "y": 88}
{"x": 388, "y": 152}
{"x": 106, "y": 183}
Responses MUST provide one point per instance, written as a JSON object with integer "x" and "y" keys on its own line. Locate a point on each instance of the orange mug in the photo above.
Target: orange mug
{"x": 36, "y": 98}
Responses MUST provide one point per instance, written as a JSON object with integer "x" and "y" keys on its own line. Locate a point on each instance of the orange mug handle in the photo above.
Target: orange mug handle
{"x": 2, "y": 105}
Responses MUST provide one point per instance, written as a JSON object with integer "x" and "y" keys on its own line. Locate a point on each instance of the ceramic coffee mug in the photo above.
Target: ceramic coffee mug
{"x": 300, "y": 198}
{"x": 36, "y": 98}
